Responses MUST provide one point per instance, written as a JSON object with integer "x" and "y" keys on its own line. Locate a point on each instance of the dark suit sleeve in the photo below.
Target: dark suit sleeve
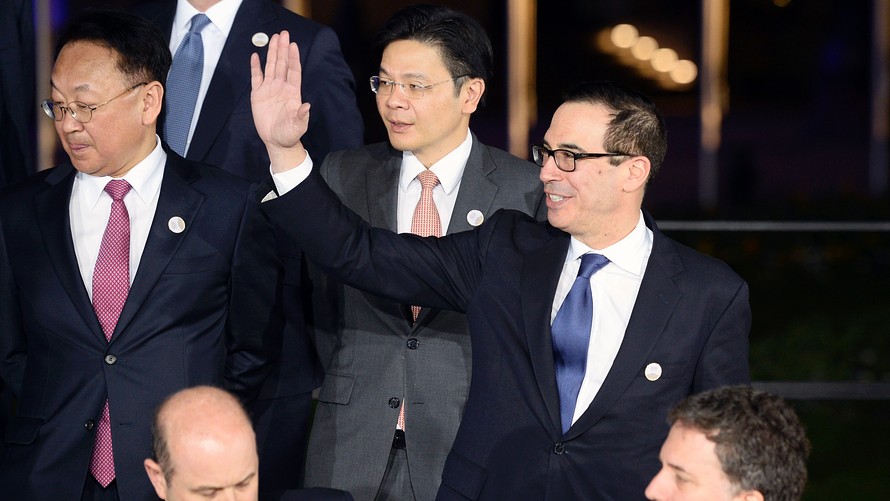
{"x": 724, "y": 360}
{"x": 434, "y": 272}
{"x": 255, "y": 319}
{"x": 328, "y": 85}
{"x": 13, "y": 354}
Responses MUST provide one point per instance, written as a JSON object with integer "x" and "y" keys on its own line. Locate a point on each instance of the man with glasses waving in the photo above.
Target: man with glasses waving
{"x": 126, "y": 274}
{"x": 586, "y": 328}
{"x": 397, "y": 376}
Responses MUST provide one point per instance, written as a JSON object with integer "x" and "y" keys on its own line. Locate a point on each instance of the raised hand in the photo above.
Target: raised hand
{"x": 279, "y": 114}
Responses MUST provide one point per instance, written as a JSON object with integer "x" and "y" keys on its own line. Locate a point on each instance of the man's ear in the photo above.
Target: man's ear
{"x": 152, "y": 101}
{"x": 156, "y": 476}
{"x": 474, "y": 88}
{"x": 637, "y": 174}
{"x": 754, "y": 495}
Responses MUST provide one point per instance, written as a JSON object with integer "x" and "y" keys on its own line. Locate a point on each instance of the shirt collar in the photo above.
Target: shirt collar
{"x": 629, "y": 253}
{"x": 145, "y": 178}
{"x": 222, "y": 16}
{"x": 449, "y": 170}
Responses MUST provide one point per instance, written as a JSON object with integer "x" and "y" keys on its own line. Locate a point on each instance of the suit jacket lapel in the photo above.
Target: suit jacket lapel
{"x": 231, "y": 78}
{"x": 382, "y": 183}
{"x": 177, "y": 198}
{"x": 477, "y": 192}
{"x": 655, "y": 303}
{"x": 540, "y": 276}
{"x": 53, "y": 217}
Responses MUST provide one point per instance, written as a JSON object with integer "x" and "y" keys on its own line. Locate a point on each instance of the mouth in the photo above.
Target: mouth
{"x": 555, "y": 198}
{"x": 397, "y": 126}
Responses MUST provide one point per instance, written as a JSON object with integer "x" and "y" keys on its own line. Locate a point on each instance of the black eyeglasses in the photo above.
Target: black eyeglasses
{"x": 565, "y": 159}
{"x": 385, "y": 87}
{"x": 79, "y": 111}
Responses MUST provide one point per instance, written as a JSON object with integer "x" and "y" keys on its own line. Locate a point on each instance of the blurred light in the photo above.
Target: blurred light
{"x": 781, "y": 3}
{"x": 684, "y": 72}
{"x": 644, "y": 48}
{"x": 664, "y": 60}
{"x": 624, "y": 36}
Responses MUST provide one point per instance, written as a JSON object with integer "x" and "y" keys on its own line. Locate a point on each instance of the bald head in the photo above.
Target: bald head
{"x": 203, "y": 444}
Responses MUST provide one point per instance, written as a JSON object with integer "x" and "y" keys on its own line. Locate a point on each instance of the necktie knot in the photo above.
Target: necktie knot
{"x": 428, "y": 179}
{"x": 199, "y": 22}
{"x": 591, "y": 263}
{"x": 117, "y": 189}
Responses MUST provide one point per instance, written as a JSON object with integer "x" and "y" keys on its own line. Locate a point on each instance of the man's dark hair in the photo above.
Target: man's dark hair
{"x": 637, "y": 127}
{"x": 460, "y": 39}
{"x": 143, "y": 54}
{"x": 759, "y": 439}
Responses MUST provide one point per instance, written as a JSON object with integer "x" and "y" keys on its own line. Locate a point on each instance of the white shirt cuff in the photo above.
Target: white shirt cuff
{"x": 291, "y": 178}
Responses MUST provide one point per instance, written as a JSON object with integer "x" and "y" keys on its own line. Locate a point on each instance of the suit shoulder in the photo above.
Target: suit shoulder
{"x": 514, "y": 166}
{"x": 300, "y": 28}
{"x": 346, "y": 164}
{"x": 25, "y": 189}
{"x": 699, "y": 264}
{"x": 212, "y": 178}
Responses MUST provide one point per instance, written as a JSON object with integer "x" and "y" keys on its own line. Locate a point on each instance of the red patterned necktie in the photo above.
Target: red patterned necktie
{"x": 111, "y": 284}
{"x": 425, "y": 223}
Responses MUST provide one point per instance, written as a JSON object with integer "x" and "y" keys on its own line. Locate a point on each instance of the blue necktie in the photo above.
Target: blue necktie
{"x": 183, "y": 83}
{"x": 571, "y": 335}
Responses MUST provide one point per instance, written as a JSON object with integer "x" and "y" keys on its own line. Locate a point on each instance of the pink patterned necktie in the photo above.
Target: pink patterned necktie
{"x": 111, "y": 284}
{"x": 425, "y": 223}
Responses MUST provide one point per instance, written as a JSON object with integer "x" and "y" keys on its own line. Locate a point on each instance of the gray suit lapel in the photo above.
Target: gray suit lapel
{"x": 477, "y": 192}
{"x": 382, "y": 182}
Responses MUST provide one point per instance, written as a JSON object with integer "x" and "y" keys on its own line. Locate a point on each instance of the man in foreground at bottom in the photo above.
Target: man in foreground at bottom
{"x": 204, "y": 447}
{"x": 732, "y": 444}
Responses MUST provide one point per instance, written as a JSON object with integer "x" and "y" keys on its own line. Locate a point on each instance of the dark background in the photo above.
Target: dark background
{"x": 795, "y": 148}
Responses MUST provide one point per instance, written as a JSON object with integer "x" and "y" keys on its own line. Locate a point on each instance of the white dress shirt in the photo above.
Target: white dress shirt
{"x": 90, "y": 207}
{"x": 222, "y": 16}
{"x": 614, "y": 289}
{"x": 449, "y": 170}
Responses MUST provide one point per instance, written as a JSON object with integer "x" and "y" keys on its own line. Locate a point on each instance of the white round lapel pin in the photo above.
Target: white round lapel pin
{"x": 176, "y": 224}
{"x": 475, "y": 217}
{"x": 653, "y": 371}
{"x": 260, "y": 39}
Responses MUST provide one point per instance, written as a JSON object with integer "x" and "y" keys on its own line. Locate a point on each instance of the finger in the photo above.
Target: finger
{"x": 271, "y": 57}
{"x": 295, "y": 69}
{"x": 256, "y": 75}
{"x": 282, "y": 55}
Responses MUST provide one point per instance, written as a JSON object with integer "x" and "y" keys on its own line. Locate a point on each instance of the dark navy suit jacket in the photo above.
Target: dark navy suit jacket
{"x": 199, "y": 311}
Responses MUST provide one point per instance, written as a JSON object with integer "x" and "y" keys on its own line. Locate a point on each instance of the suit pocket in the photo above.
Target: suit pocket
{"x": 463, "y": 476}
{"x": 23, "y": 430}
{"x": 336, "y": 389}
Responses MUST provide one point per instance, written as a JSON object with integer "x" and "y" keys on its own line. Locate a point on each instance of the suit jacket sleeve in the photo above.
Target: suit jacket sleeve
{"x": 724, "y": 360}
{"x": 329, "y": 86}
{"x": 255, "y": 318}
{"x": 13, "y": 354}
{"x": 434, "y": 272}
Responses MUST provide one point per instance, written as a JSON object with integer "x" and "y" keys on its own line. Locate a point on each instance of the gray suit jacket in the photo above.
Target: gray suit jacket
{"x": 374, "y": 356}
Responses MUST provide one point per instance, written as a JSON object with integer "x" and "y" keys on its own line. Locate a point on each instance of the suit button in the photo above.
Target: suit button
{"x": 559, "y": 448}
{"x": 89, "y": 425}
{"x": 412, "y": 344}
{"x": 394, "y": 402}
{"x": 110, "y": 359}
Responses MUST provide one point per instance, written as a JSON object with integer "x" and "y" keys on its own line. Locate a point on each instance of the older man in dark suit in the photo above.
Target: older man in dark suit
{"x": 125, "y": 275}
{"x": 586, "y": 328}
